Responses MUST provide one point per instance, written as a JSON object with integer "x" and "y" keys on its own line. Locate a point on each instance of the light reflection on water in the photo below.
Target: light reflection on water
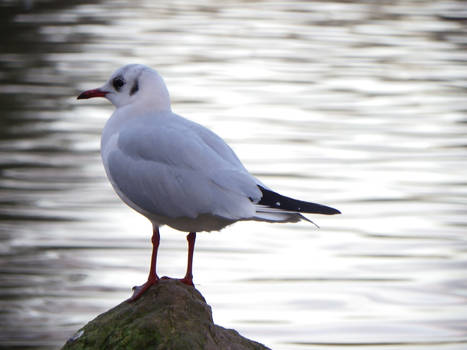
{"x": 360, "y": 105}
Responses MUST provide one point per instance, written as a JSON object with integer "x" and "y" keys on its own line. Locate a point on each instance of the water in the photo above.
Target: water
{"x": 359, "y": 105}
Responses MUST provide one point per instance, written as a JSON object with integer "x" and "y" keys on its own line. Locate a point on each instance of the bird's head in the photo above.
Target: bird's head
{"x": 133, "y": 84}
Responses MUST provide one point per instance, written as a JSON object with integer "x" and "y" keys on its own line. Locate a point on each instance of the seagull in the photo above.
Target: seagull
{"x": 176, "y": 172}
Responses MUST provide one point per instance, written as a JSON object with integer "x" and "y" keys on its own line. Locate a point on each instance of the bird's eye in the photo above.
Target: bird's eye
{"x": 118, "y": 82}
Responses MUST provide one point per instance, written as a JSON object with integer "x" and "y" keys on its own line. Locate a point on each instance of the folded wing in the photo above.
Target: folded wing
{"x": 180, "y": 170}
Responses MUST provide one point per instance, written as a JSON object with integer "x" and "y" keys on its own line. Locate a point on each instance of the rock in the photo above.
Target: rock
{"x": 170, "y": 315}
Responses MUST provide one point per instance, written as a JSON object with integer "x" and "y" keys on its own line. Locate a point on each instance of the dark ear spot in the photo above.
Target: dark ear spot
{"x": 134, "y": 88}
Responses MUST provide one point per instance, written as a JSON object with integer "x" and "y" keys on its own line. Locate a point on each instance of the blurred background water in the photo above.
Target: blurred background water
{"x": 360, "y": 105}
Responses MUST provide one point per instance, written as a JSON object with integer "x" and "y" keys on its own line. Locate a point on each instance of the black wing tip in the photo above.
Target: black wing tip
{"x": 315, "y": 208}
{"x": 332, "y": 211}
{"x": 276, "y": 200}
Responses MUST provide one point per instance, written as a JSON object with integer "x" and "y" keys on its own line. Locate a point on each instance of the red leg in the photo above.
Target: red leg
{"x": 188, "y": 279}
{"x": 152, "y": 278}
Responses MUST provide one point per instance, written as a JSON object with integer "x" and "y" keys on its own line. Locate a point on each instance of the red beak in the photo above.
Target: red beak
{"x": 92, "y": 93}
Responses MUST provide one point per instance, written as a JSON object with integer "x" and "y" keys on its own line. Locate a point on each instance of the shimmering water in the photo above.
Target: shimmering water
{"x": 357, "y": 104}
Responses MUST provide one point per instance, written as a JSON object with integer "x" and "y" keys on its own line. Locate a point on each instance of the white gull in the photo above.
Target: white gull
{"x": 176, "y": 172}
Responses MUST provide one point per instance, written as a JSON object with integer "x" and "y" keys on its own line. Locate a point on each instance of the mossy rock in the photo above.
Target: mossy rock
{"x": 169, "y": 315}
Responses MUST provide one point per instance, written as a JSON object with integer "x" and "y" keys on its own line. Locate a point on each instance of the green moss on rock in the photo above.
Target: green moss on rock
{"x": 170, "y": 315}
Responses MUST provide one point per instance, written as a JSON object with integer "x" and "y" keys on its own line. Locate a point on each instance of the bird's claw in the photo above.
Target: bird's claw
{"x": 138, "y": 291}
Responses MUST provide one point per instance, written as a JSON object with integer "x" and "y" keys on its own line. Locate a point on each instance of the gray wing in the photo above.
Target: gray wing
{"x": 180, "y": 169}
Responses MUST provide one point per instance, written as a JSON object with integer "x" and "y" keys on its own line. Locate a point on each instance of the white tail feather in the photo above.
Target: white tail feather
{"x": 264, "y": 213}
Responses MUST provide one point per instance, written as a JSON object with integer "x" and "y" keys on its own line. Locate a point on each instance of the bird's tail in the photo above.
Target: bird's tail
{"x": 278, "y": 208}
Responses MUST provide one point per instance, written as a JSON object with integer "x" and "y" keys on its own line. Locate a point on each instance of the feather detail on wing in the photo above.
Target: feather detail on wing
{"x": 275, "y": 200}
{"x": 275, "y": 207}
{"x": 183, "y": 178}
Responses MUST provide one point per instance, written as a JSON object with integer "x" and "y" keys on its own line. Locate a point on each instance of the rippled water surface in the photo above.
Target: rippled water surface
{"x": 357, "y": 104}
